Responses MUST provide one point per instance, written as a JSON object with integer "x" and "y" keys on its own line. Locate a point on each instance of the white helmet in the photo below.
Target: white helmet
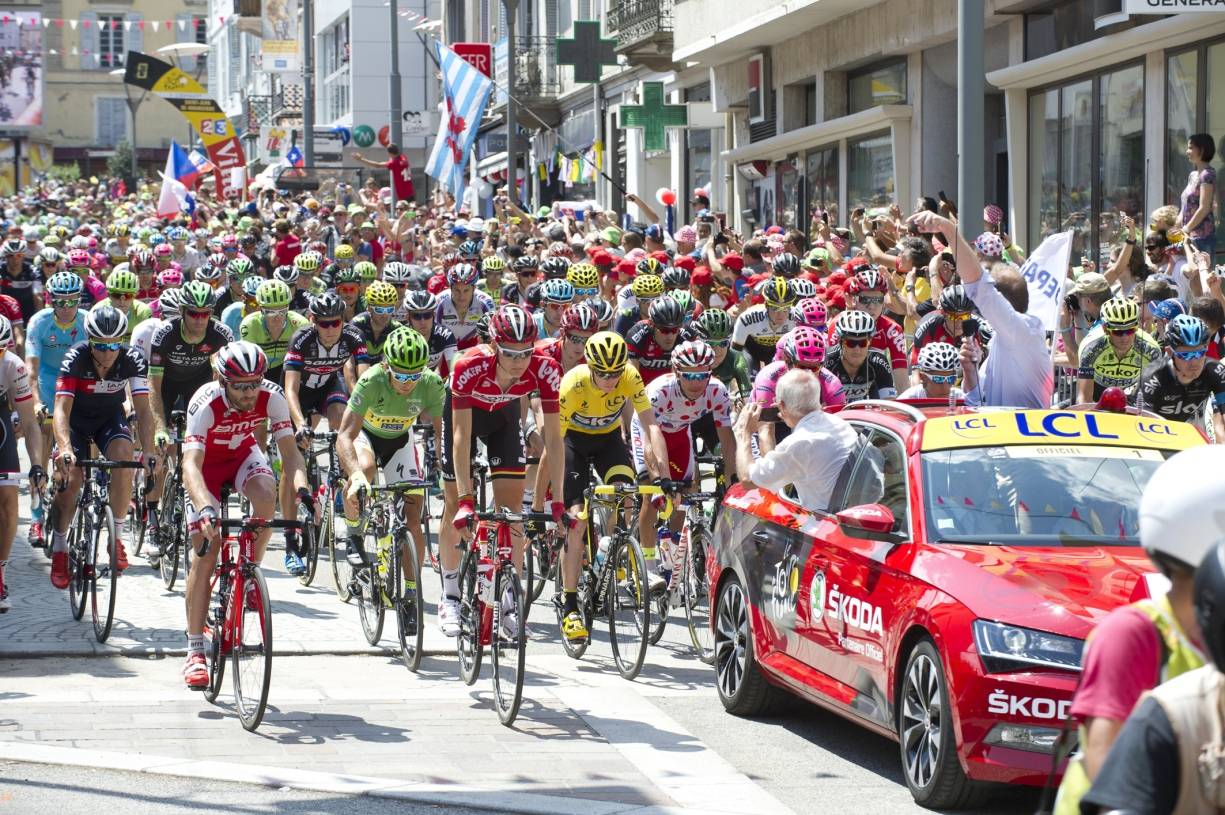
{"x": 1182, "y": 512}
{"x": 939, "y": 356}
{"x": 6, "y": 333}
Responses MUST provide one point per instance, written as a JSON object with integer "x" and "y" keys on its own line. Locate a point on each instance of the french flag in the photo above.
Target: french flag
{"x": 177, "y": 179}
{"x": 181, "y": 167}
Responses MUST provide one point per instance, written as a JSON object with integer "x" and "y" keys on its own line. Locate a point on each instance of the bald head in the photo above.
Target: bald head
{"x": 1008, "y": 282}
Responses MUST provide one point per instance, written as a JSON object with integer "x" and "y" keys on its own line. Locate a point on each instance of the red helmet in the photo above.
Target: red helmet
{"x": 511, "y": 324}
{"x": 868, "y": 279}
{"x": 582, "y": 317}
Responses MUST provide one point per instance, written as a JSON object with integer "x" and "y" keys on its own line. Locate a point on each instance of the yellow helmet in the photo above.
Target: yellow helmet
{"x": 583, "y": 276}
{"x": 381, "y": 293}
{"x": 606, "y": 352}
{"x": 345, "y": 252}
{"x": 647, "y": 285}
{"x": 1120, "y": 312}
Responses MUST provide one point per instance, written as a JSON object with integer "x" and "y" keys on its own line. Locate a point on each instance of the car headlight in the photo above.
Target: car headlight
{"x": 1004, "y": 648}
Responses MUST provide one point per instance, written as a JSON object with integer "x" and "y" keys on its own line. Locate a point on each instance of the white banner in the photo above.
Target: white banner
{"x": 1045, "y": 271}
{"x": 1171, "y": 6}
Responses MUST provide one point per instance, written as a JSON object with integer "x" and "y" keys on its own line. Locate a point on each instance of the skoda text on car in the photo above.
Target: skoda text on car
{"x": 945, "y": 599}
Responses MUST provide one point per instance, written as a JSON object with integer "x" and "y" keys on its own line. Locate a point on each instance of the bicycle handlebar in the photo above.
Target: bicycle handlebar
{"x": 506, "y": 516}
{"x": 107, "y": 464}
{"x": 255, "y": 524}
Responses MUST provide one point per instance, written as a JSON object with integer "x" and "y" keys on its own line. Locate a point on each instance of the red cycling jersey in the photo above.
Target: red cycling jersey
{"x": 890, "y": 338}
{"x": 11, "y": 309}
{"x": 474, "y": 382}
{"x": 224, "y": 433}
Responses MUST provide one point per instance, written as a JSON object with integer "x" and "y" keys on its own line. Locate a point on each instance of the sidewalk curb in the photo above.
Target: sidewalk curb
{"x": 396, "y": 789}
{"x": 146, "y": 652}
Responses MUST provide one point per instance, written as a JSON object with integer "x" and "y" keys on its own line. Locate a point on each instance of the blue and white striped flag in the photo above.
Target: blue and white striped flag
{"x": 465, "y": 94}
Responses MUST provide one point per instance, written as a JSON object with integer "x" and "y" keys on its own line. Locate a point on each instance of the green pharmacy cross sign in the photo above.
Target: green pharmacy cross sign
{"x": 654, "y": 116}
{"x": 587, "y": 52}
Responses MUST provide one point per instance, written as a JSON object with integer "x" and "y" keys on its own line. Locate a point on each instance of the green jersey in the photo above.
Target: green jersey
{"x": 138, "y": 313}
{"x": 386, "y": 413}
{"x": 734, "y": 373}
{"x": 254, "y": 329}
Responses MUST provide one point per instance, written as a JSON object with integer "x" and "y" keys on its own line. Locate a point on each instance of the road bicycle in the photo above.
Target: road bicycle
{"x": 324, "y": 488}
{"x": 493, "y": 609}
{"x": 689, "y": 585}
{"x": 169, "y": 517}
{"x": 613, "y": 582}
{"x": 93, "y": 557}
{"x": 392, "y": 581}
{"x": 239, "y": 621}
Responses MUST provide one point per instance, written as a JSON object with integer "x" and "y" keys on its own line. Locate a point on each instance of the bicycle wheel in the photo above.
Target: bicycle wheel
{"x": 369, "y": 594}
{"x": 215, "y": 653}
{"x": 468, "y": 643}
{"x": 574, "y": 650}
{"x": 168, "y": 538}
{"x": 695, "y": 591}
{"x": 541, "y": 560}
{"x": 188, "y": 555}
{"x": 509, "y": 643}
{"x": 342, "y": 572}
{"x": 308, "y": 545}
{"x": 136, "y": 513}
{"x": 80, "y": 564}
{"x": 252, "y": 648}
{"x": 628, "y": 606}
{"x": 659, "y": 617}
{"x": 410, "y": 622}
{"x": 431, "y": 541}
{"x": 105, "y": 574}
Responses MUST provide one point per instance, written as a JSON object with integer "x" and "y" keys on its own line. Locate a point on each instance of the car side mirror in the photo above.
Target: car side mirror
{"x": 868, "y": 521}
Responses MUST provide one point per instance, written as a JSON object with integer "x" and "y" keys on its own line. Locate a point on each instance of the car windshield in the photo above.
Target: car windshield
{"x": 1037, "y": 495}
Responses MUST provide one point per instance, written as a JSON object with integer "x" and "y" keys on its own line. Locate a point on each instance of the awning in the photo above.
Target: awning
{"x": 793, "y": 141}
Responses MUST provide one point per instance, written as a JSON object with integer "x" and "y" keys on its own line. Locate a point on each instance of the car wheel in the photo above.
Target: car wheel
{"x": 927, "y": 738}
{"x": 743, "y": 688}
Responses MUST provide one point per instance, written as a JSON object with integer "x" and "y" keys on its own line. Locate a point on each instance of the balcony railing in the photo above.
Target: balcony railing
{"x": 639, "y": 23}
{"x": 535, "y": 69}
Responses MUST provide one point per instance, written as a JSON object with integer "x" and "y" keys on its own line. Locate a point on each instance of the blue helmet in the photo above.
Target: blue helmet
{"x": 557, "y": 291}
{"x": 65, "y": 284}
{"x": 1187, "y": 330}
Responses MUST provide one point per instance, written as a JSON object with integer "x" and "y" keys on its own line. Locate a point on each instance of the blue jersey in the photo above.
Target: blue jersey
{"x": 50, "y": 341}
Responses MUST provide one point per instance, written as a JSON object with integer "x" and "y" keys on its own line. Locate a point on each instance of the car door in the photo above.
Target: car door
{"x": 849, "y": 584}
{"x": 779, "y": 550}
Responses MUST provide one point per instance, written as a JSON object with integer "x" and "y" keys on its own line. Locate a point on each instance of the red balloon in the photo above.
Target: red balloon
{"x": 669, "y": 198}
{"x": 385, "y": 135}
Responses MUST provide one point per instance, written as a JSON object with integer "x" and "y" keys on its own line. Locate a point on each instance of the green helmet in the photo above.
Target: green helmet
{"x": 367, "y": 271}
{"x": 406, "y": 349}
{"x": 347, "y": 275}
{"x": 715, "y": 324}
{"x": 122, "y": 281}
{"x": 238, "y": 268}
{"x": 197, "y": 294}
{"x": 273, "y": 294}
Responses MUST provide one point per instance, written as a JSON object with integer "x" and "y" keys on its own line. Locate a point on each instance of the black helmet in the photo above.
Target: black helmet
{"x": 327, "y": 304}
{"x": 676, "y": 278}
{"x": 787, "y": 265}
{"x": 1210, "y": 603}
{"x": 954, "y": 300}
{"x": 666, "y": 313}
{"x": 555, "y": 267}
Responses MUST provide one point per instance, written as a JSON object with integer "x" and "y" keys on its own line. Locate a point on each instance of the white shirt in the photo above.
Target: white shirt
{"x": 810, "y": 459}
{"x": 1018, "y": 371}
{"x": 142, "y": 336}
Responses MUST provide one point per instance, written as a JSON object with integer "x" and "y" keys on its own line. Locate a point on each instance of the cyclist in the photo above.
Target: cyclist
{"x": 211, "y": 275}
{"x": 1115, "y": 353}
{"x": 348, "y": 285}
{"x": 651, "y": 341}
{"x": 422, "y": 311}
{"x": 810, "y": 311}
{"x": 237, "y": 311}
{"x": 186, "y": 256}
{"x": 140, "y": 260}
{"x": 236, "y": 271}
{"x": 592, "y": 398}
{"x": 937, "y": 366}
{"x": 89, "y": 396}
{"x": 343, "y": 259}
{"x": 400, "y": 276}
{"x": 11, "y": 310}
{"x": 306, "y": 281}
{"x": 801, "y": 347}
{"x": 19, "y": 279}
{"x": 483, "y": 404}
{"x": 758, "y": 328}
{"x": 556, "y": 296}
{"x": 52, "y": 332}
{"x": 493, "y": 268}
{"x": 679, "y": 399}
{"x": 578, "y": 325}
{"x": 219, "y": 448}
{"x": 121, "y": 287}
{"x": 863, "y": 370}
{"x": 635, "y": 300}
{"x": 951, "y": 323}
{"x": 1179, "y": 384}
{"x": 78, "y": 262}
{"x": 527, "y": 272}
{"x": 14, "y": 390}
{"x": 142, "y": 335}
{"x": 585, "y": 278}
{"x": 675, "y": 279}
{"x": 273, "y": 326}
{"x": 461, "y": 306}
{"x": 376, "y": 432}
{"x": 866, "y": 291}
{"x": 367, "y": 273}
{"x": 376, "y": 323}
{"x": 315, "y": 370}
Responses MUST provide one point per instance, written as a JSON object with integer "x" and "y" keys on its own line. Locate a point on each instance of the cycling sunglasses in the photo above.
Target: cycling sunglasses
{"x": 871, "y": 300}
{"x": 421, "y": 315}
{"x": 329, "y": 323}
{"x": 576, "y": 339}
{"x": 276, "y": 312}
{"x": 198, "y": 314}
{"x": 941, "y": 379}
{"x": 851, "y": 342}
{"x": 1188, "y": 356}
{"x": 1121, "y": 332}
{"x": 510, "y": 354}
{"x": 106, "y": 346}
{"x": 68, "y": 302}
{"x": 586, "y": 292}
{"x": 383, "y": 309}
{"x": 694, "y": 376}
{"x": 717, "y": 344}
{"x": 607, "y": 375}
{"x": 229, "y": 249}
{"x": 666, "y": 329}
{"x": 348, "y": 288}
{"x": 403, "y": 378}
{"x": 245, "y": 387}
{"x": 957, "y": 317}
{"x": 121, "y": 296}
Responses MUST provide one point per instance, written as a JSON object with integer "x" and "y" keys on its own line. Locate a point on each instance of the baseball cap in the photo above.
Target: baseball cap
{"x": 733, "y": 261}
{"x": 612, "y": 235}
{"x": 702, "y": 277}
{"x": 1090, "y": 283}
{"x": 655, "y": 232}
{"x": 685, "y": 262}
{"x": 601, "y": 258}
{"x": 686, "y": 234}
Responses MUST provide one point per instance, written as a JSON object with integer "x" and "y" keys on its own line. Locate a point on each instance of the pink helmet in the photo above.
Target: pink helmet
{"x": 92, "y": 242}
{"x": 171, "y": 278}
{"x": 78, "y": 258}
{"x": 229, "y": 239}
{"x": 810, "y": 312}
{"x": 806, "y": 346}
{"x": 162, "y": 250}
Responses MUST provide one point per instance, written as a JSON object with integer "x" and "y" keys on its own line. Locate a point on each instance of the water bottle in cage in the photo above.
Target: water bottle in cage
{"x": 484, "y": 579}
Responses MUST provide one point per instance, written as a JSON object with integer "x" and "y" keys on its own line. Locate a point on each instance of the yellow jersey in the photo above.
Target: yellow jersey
{"x": 585, "y": 408}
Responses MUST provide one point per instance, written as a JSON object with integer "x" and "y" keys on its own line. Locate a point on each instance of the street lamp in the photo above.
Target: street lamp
{"x": 133, "y": 106}
{"x": 186, "y": 50}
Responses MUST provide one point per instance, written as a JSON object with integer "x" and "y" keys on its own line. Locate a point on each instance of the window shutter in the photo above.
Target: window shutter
{"x": 134, "y": 38}
{"x": 88, "y": 40}
{"x": 185, "y": 31}
{"x": 584, "y": 10}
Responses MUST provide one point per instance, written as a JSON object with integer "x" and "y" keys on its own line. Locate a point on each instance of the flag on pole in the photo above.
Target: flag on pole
{"x": 465, "y": 94}
{"x": 175, "y": 197}
{"x": 200, "y": 161}
{"x": 1045, "y": 271}
{"x": 294, "y": 157}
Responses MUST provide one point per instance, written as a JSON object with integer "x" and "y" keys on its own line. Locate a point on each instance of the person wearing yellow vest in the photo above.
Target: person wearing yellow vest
{"x": 1169, "y": 758}
{"x": 1139, "y": 646}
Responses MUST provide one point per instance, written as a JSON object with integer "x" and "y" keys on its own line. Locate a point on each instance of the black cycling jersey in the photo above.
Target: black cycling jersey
{"x": 226, "y": 298}
{"x": 21, "y": 288}
{"x": 318, "y": 363}
{"x": 373, "y": 342}
{"x": 873, "y": 380}
{"x": 1164, "y": 395}
{"x": 441, "y": 338}
{"x": 180, "y": 362}
{"x": 301, "y": 301}
{"x": 95, "y": 397}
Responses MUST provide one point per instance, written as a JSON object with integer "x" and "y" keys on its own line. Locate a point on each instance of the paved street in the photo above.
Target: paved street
{"x": 345, "y": 718}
